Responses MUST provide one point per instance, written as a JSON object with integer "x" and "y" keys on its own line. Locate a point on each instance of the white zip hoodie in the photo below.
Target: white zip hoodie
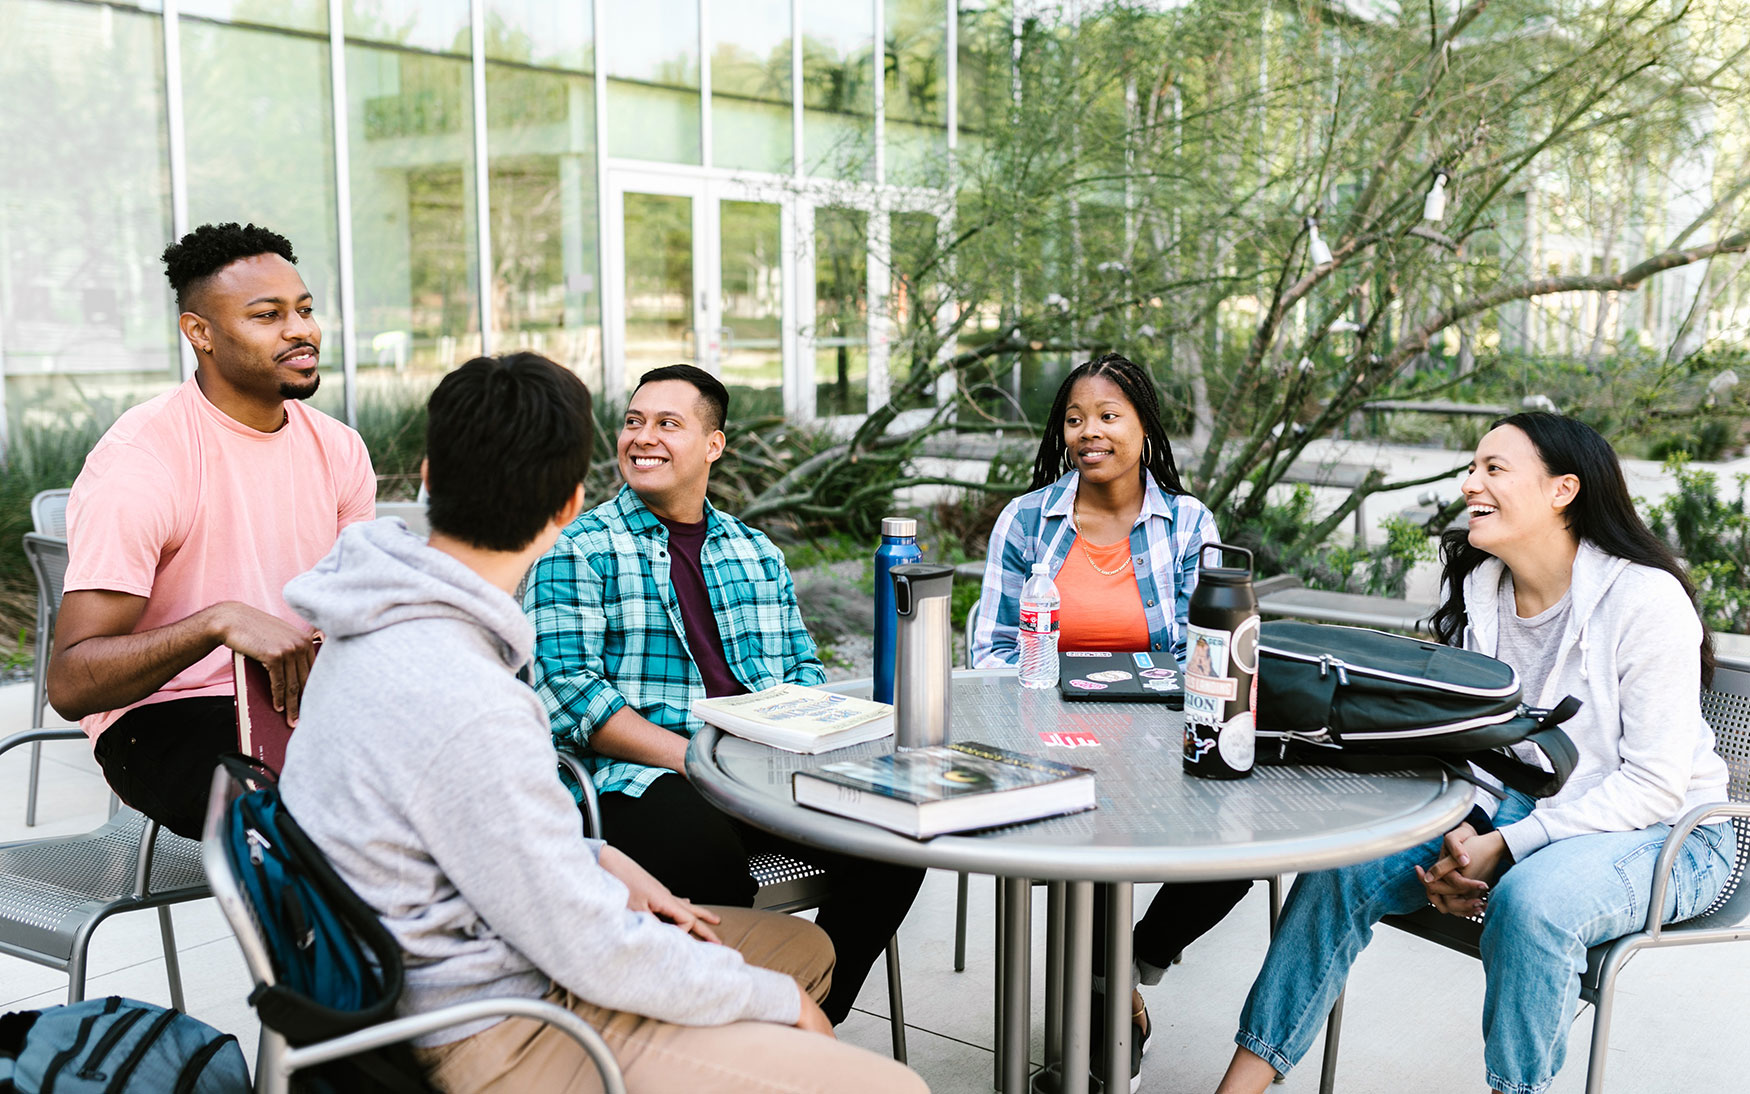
{"x": 1630, "y": 655}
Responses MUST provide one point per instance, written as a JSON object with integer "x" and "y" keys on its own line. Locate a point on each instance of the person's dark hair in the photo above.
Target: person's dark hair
{"x": 210, "y": 248}
{"x": 1601, "y": 513}
{"x": 1139, "y": 388}
{"x": 509, "y": 439}
{"x": 711, "y": 389}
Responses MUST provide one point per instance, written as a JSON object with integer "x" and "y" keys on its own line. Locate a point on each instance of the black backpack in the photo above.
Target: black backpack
{"x": 1326, "y": 693}
{"x": 338, "y": 969}
{"x": 117, "y": 1046}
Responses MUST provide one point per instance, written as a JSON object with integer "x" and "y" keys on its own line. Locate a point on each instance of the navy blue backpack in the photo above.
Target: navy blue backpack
{"x": 117, "y": 1046}
{"x": 338, "y": 969}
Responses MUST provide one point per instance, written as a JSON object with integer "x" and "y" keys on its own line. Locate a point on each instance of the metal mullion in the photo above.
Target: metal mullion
{"x": 176, "y": 138}
{"x": 349, "y": 339}
{"x": 878, "y": 58}
{"x": 797, "y": 110}
{"x": 706, "y": 150}
{"x": 482, "y": 172}
{"x": 613, "y": 342}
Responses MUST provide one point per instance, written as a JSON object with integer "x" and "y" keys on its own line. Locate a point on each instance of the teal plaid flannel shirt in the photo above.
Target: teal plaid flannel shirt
{"x": 608, "y": 630}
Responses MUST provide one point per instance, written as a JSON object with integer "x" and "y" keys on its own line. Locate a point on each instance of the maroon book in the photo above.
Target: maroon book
{"x": 262, "y": 731}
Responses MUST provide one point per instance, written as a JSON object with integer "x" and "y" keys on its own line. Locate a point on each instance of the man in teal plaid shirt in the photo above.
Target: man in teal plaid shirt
{"x": 654, "y": 599}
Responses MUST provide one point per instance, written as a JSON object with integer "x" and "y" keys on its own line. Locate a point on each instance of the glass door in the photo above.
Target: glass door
{"x": 704, "y": 275}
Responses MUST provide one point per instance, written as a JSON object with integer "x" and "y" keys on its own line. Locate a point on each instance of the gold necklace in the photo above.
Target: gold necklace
{"x": 1075, "y": 520}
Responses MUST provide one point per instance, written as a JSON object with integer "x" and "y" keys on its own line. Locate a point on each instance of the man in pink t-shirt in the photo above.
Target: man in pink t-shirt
{"x": 188, "y": 519}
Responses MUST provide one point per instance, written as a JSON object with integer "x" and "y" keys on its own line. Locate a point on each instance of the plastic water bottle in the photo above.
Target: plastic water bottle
{"x": 1039, "y": 604}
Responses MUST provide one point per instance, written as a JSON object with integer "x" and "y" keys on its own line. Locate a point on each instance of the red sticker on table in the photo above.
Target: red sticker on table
{"x": 1073, "y": 739}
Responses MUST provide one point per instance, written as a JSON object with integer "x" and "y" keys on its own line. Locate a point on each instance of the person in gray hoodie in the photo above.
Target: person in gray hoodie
{"x": 1558, "y": 576}
{"x": 424, "y": 769}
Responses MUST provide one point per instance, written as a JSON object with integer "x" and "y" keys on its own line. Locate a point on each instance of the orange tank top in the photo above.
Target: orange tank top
{"x": 1101, "y": 611}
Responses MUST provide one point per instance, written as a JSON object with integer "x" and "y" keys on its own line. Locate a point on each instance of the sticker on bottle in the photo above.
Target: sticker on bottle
{"x": 1237, "y": 741}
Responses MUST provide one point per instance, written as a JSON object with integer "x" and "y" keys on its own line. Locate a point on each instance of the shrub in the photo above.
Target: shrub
{"x": 1712, "y": 533}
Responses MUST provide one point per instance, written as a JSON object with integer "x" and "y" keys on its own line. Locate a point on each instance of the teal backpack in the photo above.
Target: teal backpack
{"x": 117, "y": 1046}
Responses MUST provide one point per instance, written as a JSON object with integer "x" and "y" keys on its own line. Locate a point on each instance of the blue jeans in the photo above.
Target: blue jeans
{"x": 1543, "y": 914}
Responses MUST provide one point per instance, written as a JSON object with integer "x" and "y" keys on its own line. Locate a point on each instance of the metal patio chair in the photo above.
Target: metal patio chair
{"x": 55, "y": 891}
{"x": 1726, "y": 705}
{"x": 276, "y": 1061}
{"x": 785, "y": 885}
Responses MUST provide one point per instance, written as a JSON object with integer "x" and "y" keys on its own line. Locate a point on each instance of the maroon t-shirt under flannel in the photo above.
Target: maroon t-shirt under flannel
{"x": 688, "y": 577}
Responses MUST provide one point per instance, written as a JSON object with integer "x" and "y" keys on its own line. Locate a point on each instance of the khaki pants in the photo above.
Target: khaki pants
{"x": 522, "y": 1056}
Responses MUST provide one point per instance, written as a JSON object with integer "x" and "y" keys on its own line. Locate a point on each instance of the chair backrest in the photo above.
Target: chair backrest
{"x": 971, "y": 622}
{"x": 48, "y": 561}
{"x": 226, "y": 885}
{"x": 1726, "y": 706}
{"x": 48, "y": 513}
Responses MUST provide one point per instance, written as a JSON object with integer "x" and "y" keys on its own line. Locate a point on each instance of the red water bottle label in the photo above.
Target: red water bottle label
{"x": 1032, "y": 619}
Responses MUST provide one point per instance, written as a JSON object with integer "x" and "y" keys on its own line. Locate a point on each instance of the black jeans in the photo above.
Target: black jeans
{"x": 159, "y": 758}
{"x": 701, "y": 853}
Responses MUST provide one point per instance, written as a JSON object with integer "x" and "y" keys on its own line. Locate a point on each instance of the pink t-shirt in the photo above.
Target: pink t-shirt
{"x": 184, "y": 505}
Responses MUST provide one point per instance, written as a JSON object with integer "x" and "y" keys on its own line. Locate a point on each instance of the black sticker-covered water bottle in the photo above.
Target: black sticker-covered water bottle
{"x": 1221, "y": 661}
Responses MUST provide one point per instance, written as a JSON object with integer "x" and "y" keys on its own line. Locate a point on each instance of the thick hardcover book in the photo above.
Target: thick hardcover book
{"x": 262, "y": 731}
{"x": 924, "y": 792}
{"x": 798, "y": 719}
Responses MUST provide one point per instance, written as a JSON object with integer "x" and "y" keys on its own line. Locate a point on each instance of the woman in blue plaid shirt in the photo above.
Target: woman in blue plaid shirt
{"x": 1108, "y": 513}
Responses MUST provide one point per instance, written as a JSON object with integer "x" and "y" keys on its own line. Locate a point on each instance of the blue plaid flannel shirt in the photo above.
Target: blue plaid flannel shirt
{"x": 608, "y": 630}
{"x": 1168, "y": 536}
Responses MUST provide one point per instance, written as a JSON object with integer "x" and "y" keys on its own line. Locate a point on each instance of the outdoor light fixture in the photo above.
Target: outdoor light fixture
{"x": 1315, "y": 245}
{"x": 1434, "y": 208}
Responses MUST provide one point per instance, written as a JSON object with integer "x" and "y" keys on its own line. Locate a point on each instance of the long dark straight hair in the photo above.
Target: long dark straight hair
{"x": 1601, "y": 512}
{"x": 1137, "y": 387}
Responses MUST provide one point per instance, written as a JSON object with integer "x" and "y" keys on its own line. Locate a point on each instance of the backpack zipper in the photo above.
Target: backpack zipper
{"x": 1328, "y": 664}
{"x": 129, "y": 1065}
{"x": 105, "y": 1043}
{"x": 197, "y": 1064}
{"x": 65, "y": 1056}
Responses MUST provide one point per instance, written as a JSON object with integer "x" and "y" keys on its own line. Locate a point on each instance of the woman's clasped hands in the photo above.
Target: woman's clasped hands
{"x": 1458, "y": 883}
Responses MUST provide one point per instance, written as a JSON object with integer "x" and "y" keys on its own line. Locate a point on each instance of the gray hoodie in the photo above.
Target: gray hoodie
{"x": 423, "y": 768}
{"x": 1629, "y": 654}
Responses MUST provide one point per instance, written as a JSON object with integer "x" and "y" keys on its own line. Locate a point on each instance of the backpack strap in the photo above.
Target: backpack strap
{"x": 1556, "y": 746}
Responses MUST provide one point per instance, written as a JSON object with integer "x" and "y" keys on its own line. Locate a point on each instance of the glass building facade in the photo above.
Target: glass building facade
{"x": 618, "y": 184}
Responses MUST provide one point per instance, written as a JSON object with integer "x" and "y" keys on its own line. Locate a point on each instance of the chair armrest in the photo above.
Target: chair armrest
{"x": 39, "y": 734}
{"x": 592, "y": 806}
{"x": 418, "y": 1025}
{"x": 1680, "y": 831}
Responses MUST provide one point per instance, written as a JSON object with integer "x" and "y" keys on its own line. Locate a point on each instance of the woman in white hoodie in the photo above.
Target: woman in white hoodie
{"x": 1559, "y": 577}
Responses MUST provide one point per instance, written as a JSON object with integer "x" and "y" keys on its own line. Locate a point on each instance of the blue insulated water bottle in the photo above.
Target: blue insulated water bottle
{"x": 899, "y": 545}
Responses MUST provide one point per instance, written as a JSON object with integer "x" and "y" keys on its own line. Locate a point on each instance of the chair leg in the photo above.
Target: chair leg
{"x": 997, "y": 1008}
{"x": 1275, "y": 903}
{"x": 1603, "y": 1007}
{"x": 895, "y": 999}
{"x": 36, "y": 764}
{"x": 1333, "y": 1030}
{"x": 960, "y": 924}
{"x": 172, "y": 966}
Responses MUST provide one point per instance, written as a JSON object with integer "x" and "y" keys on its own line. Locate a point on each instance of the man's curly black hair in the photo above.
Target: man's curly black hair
{"x": 210, "y": 248}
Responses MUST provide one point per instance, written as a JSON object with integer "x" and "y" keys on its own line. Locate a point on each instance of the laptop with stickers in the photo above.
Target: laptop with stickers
{"x": 1140, "y": 677}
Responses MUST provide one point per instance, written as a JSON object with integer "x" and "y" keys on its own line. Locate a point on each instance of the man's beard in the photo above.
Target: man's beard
{"x": 301, "y": 391}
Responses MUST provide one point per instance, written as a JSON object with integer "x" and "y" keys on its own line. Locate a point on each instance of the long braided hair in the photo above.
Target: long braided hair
{"x": 1135, "y": 383}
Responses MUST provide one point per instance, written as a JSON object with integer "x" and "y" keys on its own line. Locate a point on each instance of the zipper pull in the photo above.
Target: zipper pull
{"x": 1328, "y": 663}
{"x": 256, "y": 842}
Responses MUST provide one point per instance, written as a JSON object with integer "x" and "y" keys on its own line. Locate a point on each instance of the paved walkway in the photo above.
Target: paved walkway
{"x": 1411, "y": 1025}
